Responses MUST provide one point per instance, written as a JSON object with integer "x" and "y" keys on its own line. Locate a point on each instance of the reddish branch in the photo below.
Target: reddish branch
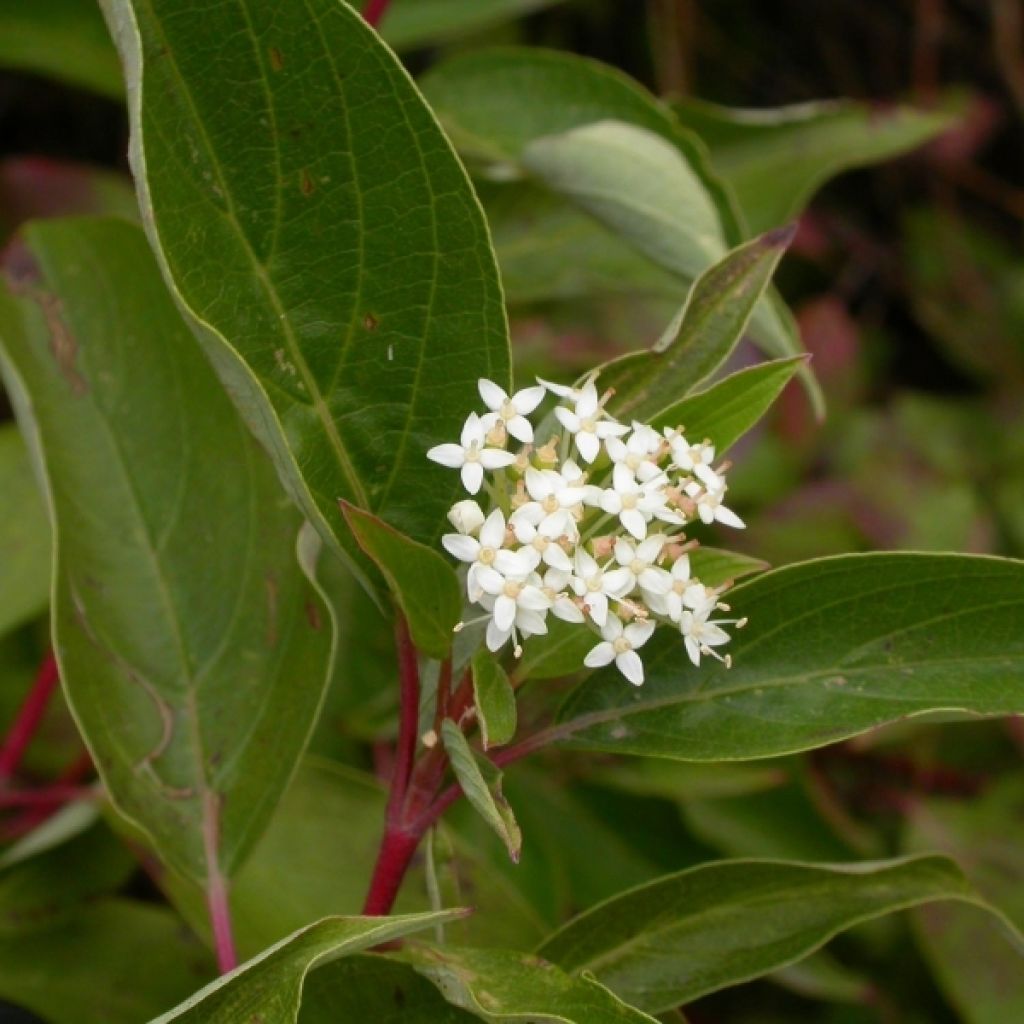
{"x": 29, "y": 716}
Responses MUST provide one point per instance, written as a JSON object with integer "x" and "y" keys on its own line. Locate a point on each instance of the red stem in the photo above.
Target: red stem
{"x": 399, "y": 842}
{"x": 374, "y": 11}
{"x": 44, "y": 797}
{"x": 29, "y": 716}
{"x": 220, "y": 921}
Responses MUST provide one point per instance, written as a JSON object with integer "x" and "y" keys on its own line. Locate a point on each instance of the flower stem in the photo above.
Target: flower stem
{"x": 29, "y": 717}
{"x": 220, "y": 920}
{"x": 374, "y": 11}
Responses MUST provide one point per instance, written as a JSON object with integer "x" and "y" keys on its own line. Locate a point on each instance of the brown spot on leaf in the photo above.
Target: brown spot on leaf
{"x": 370, "y": 322}
{"x": 276, "y": 60}
{"x": 313, "y": 615}
{"x": 306, "y": 183}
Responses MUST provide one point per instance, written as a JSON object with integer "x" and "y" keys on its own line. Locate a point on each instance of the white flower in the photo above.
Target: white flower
{"x": 683, "y": 592}
{"x": 619, "y": 644}
{"x": 560, "y": 390}
{"x": 554, "y": 499}
{"x": 701, "y": 634}
{"x": 512, "y": 411}
{"x": 470, "y": 455}
{"x": 709, "y": 504}
{"x": 596, "y": 586}
{"x": 563, "y": 606}
{"x": 487, "y": 552}
{"x": 634, "y": 503}
{"x": 694, "y": 458}
{"x": 640, "y": 562}
{"x": 586, "y": 422}
{"x": 518, "y": 603}
{"x": 466, "y": 516}
{"x": 636, "y": 451}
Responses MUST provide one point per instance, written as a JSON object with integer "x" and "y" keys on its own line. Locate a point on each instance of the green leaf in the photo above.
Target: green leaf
{"x": 724, "y": 923}
{"x": 498, "y": 985}
{"x": 637, "y": 183}
{"x": 323, "y": 240}
{"x": 413, "y": 23}
{"x": 24, "y": 536}
{"x": 833, "y": 647}
{"x": 63, "y": 39}
{"x": 268, "y": 988}
{"x": 115, "y": 962}
{"x": 640, "y": 185}
{"x": 704, "y": 334}
{"x": 775, "y": 160}
{"x": 481, "y": 782}
{"x": 495, "y": 701}
{"x": 495, "y": 102}
{"x": 193, "y": 649}
{"x": 714, "y": 566}
{"x": 980, "y": 973}
{"x": 374, "y": 990}
{"x": 41, "y": 885}
{"x": 422, "y": 582}
{"x": 331, "y": 816}
{"x": 728, "y": 409}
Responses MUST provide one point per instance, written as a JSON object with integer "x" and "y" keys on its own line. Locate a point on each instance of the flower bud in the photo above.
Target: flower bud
{"x": 466, "y": 516}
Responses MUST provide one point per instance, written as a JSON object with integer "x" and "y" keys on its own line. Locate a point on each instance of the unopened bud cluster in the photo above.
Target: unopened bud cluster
{"x": 603, "y": 547}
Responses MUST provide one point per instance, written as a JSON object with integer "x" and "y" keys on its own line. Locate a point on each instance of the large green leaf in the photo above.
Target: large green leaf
{"x": 501, "y": 986}
{"x": 412, "y": 23}
{"x": 323, "y": 240}
{"x": 115, "y": 962}
{"x": 193, "y": 649}
{"x": 24, "y": 536}
{"x": 422, "y": 582}
{"x": 981, "y": 974}
{"x": 720, "y": 924}
{"x": 727, "y": 410}
{"x": 776, "y": 159}
{"x": 495, "y": 102}
{"x": 268, "y": 988}
{"x": 833, "y": 647}
{"x": 705, "y": 333}
{"x": 495, "y": 701}
{"x": 65, "y": 39}
{"x": 374, "y": 990}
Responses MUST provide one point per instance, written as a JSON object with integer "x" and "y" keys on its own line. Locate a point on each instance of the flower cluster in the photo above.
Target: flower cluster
{"x": 604, "y": 546}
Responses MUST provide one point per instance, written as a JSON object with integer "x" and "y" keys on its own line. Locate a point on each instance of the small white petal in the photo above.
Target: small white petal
{"x": 472, "y": 431}
{"x": 489, "y": 580}
{"x": 649, "y": 550}
{"x": 597, "y": 606}
{"x": 496, "y": 637}
{"x": 495, "y": 458}
{"x": 504, "y": 612}
{"x": 556, "y": 557}
{"x": 525, "y": 401}
{"x": 599, "y": 656}
{"x": 706, "y": 515}
{"x": 465, "y": 549}
{"x": 450, "y": 455}
{"x": 618, "y": 582}
{"x": 514, "y": 564}
{"x": 562, "y": 390}
{"x": 693, "y": 650}
{"x": 466, "y": 516}
{"x": 588, "y": 445}
{"x": 612, "y": 629}
{"x": 567, "y": 418}
{"x": 534, "y": 599}
{"x": 633, "y": 520}
{"x": 609, "y": 428}
{"x": 492, "y": 533}
{"x": 729, "y": 518}
{"x": 472, "y": 476}
{"x": 566, "y": 609}
{"x": 519, "y": 427}
{"x": 530, "y": 622}
{"x": 611, "y": 502}
{"x": 630, "y": 665}
{"x": 639, "y": 632}
{"x": 492, "y": 395}
{"x": 655, "y": 581}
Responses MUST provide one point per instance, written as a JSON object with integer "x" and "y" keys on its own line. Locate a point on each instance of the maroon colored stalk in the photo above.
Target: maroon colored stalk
{"x": 400, "y": 841}
{"x": 374, "y": 11}
{"x": 29, "y": 716}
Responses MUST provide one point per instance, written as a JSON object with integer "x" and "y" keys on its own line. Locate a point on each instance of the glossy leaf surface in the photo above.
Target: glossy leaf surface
{"x": 322, "y": 238}
{"x": 24, "y": 536}
{"x": 194, "y": 650}
{"x": 833, "y": 648}
{"x": 720, "y": 924}
{"x": 268, "y": 988}
{"x": 495, "y": 701}
{"x": 500, "y": 986}
{"x": 421, "y": 581}
{"x": 775, "y": 160}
